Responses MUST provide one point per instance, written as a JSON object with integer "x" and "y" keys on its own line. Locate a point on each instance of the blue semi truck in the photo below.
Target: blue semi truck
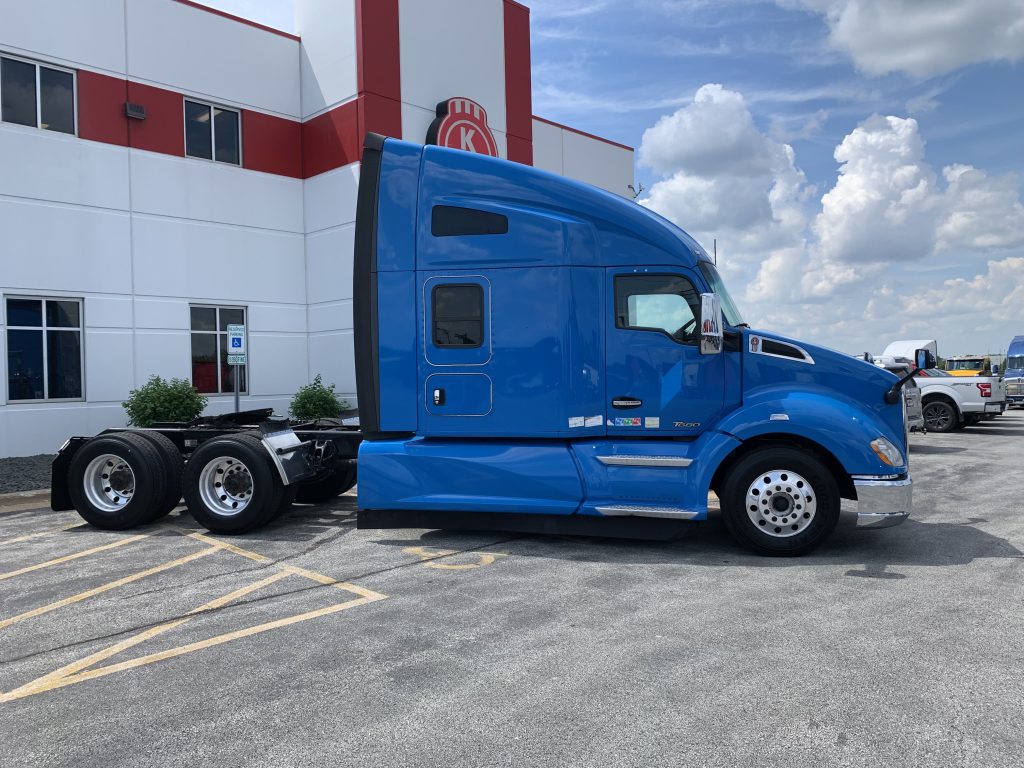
{"x": 537, "y": 355}
{"x": 1013, "y": 373}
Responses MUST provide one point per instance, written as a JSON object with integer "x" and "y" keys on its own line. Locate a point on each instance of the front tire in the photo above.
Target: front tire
{"x": 940, "y": 416}
{"x": 231, "y": 485}
{"x": 780, "y": 501}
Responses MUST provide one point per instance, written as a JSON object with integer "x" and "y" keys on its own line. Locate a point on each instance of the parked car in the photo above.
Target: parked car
{"x": 954, "y": 402}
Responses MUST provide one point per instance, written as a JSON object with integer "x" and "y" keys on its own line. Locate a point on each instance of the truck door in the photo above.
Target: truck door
{"x": 456, "y": 348}
{"x": 657, "y": 381}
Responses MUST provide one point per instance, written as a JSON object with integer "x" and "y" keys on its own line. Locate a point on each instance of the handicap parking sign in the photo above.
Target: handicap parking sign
{"x": 236, "y": 344}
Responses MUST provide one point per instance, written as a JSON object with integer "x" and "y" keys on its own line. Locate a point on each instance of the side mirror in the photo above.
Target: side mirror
{"x": 995, "y": 370}
{"x": 923, "y": 358}
{"x": 710, "y": 324}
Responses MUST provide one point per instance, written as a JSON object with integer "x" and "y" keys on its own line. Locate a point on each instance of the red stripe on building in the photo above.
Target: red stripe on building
{"x": 163, "y": 130}
{"x": 101, "y": 101}
{"x": 518, "y": 83}
{"x": 331, "y": 140}
{"x": 379, "y": 68}
{"x": 272, "y": 144}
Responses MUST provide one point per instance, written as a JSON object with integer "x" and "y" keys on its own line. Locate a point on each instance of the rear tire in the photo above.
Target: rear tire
{"x": 327, "y": 486}
{"x": 231, "y": 485}
{"x": 173, "y": 466}
{"x": 117, "y": 481}
{"x": 940, "y": 416}
{"x": 780, "y": 501}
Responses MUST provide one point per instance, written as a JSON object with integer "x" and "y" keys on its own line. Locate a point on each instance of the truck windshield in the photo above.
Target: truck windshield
{"x": 1015, "y": 361}
{"x": 964, "y": 364}
{"x": 732, "y": 315}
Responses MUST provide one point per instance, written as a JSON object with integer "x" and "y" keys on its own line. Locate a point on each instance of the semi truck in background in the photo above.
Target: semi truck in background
{"x": 1013, "y": 372}
{"x": 969, "y": 365}
{"x": 534, "y": 354}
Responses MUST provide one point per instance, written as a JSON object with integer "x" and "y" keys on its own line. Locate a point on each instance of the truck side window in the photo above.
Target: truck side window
{"x": 665, "y": 303}
{"x": 458, "y": 315}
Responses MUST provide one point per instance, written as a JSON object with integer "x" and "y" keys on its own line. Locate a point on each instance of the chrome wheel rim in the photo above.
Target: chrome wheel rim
{"x": 109, "y": 483}
{"x": 781, "y": 503}
{"x": 937, "y": 418}
{"x": 226, "y": 486}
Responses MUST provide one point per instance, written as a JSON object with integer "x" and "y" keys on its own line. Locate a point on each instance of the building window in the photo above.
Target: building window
{"x": 665, "y": 303}
{"x": 458, "y": 316}
{"x": 213, "y": 133}
{"x": 44, "y": 349}
{"x": 211, "y": 373}
{"x": 36, "y": 95}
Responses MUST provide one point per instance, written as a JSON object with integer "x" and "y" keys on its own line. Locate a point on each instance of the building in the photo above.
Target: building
{"x": 167, "y": 169}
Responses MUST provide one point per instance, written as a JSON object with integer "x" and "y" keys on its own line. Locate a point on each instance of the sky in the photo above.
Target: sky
{"x": 860, "y": 163}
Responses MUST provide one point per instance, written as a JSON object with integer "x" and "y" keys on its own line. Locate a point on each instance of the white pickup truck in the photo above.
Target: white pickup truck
{"x": 954, "y": 402}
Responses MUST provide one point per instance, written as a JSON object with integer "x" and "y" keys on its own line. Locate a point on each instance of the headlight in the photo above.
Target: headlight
{"x": 887, "y": 452}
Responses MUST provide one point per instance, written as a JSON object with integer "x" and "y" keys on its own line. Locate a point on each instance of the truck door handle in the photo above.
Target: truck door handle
{"x": 438, "y": 397}
{"x": 626, "y": 402}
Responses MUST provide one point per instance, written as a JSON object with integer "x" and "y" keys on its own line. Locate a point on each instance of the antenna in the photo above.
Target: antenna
{"x": 637, "y": 191}
{"x": 714, "y": 245}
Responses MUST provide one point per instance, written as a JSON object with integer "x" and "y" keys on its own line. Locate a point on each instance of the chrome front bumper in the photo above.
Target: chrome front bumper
{"x": 881, "y": 503}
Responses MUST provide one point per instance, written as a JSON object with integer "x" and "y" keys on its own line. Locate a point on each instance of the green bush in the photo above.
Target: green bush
{"x": 159, "y": 400}
{"x": 316, "y": 401}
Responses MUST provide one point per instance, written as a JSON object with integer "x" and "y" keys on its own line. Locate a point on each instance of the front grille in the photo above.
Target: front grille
{"x": 1015, "y": 387}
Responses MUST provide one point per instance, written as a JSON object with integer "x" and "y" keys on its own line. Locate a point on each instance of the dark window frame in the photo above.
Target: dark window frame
{"x": 217, "y": 333}
{"x": 213, "y": 130}
{"x": 38, "y": 66}
{"x": 623, "y": 297}
{"x": 44, "y": 329}
{"x": 434, "y": 318}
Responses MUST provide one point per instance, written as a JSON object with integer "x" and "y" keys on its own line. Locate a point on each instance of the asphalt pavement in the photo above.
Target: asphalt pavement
{"x": 310, "y": 643}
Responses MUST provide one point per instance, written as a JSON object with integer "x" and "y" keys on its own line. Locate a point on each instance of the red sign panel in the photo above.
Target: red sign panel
{"x": 462, "y": 124}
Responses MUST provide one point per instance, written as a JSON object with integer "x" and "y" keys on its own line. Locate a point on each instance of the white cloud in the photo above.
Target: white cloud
{"x": 922, "y": 38}
{"x": 857, "y": 265}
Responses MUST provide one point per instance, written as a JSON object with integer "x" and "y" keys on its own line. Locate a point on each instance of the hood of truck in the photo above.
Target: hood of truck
{"x": 793, "y": 368}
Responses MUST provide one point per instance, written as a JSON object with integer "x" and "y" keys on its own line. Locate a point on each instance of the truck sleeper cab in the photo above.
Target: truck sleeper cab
{"x": 535, "y": 354}
{"x": 1013, "y": 373}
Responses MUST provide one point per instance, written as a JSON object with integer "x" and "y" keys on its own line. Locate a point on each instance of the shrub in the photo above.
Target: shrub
{"x": 159, "y": 400}
{"x": 316, "y": 401}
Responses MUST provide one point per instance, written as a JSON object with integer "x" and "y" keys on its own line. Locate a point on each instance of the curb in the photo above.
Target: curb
{"x": 41, "y": 493}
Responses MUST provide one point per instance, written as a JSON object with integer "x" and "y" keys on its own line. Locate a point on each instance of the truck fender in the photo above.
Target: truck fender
{"x": 942, "y": 393}
{"x": 844, "y": 429}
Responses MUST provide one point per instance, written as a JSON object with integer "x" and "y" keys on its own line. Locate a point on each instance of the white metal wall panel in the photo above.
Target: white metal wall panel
{"x": 332, "y": 355}
{"x": 329, "y": 262}
{"x": 213, "y": 262}
{"x": 108, "y": 365}
{"x": 597, "y": 162}
{"x": 154, "y": 312}
{"x": 57, "y": 29}
{"x": 330, "y": 198}
{"x": 54, "y": 247}
{"x": 328, "y": 56}
{"x": 277, "y": 363}
{"x": 547, "y": 147}
{"x": 165, "y": 353}
{"x": 203, "y": 190}
{"x": 285, "y": 318}
{"x": 189, "y": 49}
{"x": 108, "y": 311}
{"x": 330, "y": 316}
{"x": 53, "y": 166}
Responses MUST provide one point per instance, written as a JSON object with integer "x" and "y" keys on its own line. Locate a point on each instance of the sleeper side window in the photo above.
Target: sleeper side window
{"x": 666, "y": 304}
{"x": 458, "y": 317}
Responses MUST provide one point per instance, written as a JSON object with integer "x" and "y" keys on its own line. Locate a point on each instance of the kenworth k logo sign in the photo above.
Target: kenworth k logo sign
{"x": 462, "y": 124}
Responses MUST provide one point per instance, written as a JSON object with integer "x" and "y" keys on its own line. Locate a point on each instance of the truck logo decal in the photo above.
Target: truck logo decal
{"x": 462, "y": 124}
{"x": 625, "y": 421}
{"x": 686, "y": 424}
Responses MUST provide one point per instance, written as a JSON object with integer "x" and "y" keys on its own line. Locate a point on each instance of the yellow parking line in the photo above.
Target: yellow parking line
{"x": 329, "y": 582}
{"x": 224, "y": 545}
{"x": 107, "y": 587}
{"x": 71, "y": 674}
{"x": 28, "y": 536}
{"x": 75, "y": 556}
